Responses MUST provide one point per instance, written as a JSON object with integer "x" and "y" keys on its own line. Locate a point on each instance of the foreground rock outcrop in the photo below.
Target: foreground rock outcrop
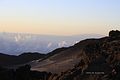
{"x": 93, "y": 59}
{"x": 100, "y": 60}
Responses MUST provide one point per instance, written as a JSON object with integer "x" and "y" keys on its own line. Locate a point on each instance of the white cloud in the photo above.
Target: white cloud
{"x": 62, "y": 44}
{"x": 49, "y": 45}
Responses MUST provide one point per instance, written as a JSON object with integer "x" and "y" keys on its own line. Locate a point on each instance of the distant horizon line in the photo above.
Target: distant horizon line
{"x": 28, "y": 33}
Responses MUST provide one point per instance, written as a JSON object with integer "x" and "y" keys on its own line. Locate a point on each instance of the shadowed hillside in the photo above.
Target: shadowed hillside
{"x": 9, "y": 60}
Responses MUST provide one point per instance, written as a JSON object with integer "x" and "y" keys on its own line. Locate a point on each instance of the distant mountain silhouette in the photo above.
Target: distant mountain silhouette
{"x": 10, "y": 60}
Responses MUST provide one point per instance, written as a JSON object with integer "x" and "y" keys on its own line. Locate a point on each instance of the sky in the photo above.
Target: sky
{"x": 59, "y": 17}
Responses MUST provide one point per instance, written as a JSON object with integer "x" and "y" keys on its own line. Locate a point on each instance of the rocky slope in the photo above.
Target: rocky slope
{"x": 90, "y": 59}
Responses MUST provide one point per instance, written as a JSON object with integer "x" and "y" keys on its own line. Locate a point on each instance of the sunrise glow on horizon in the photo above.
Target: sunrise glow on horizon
{"x": 59, "y": 17}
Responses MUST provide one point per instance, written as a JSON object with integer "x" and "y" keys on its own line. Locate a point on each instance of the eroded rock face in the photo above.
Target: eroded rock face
{"x": 101, "y": 60}
{"x": 98, "y": 59}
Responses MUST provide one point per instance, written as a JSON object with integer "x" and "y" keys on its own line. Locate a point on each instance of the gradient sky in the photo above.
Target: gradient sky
{"x": 59, "y": 17}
